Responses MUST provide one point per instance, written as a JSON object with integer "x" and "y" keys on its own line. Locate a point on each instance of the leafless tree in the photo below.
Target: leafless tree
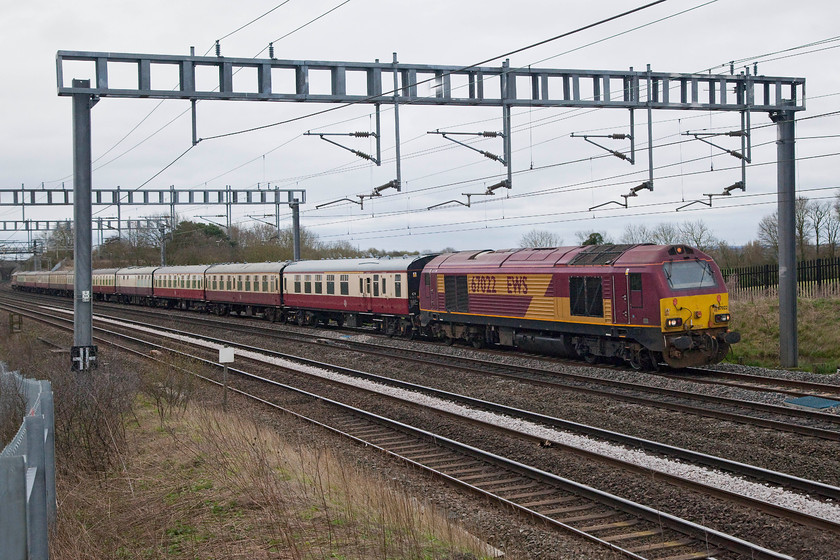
{"x": 697, "y": 234}
{"x": 768, "y": 233}
{"x": 636, "y": 233}
{"x": 819, "y": 211}
{"x": 540, "y": 238}
{"x": 665, "y": 233}
{"x": 802, "y": 222}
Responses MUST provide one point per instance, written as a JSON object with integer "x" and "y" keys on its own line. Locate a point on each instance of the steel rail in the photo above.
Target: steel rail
{"x": 488, "y": 367}
{"x": 765, "y": 475}
{"x": 683, "y": 526}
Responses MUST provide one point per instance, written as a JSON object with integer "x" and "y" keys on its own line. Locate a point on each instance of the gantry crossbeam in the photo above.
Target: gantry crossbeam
{"x": 321, "y": 81}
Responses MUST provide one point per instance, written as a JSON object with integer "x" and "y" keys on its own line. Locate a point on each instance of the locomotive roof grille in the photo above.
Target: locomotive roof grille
{"x": 599, "y": 254}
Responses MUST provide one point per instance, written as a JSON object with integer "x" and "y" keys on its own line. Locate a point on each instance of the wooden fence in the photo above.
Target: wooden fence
{"x": 814, "y": 278}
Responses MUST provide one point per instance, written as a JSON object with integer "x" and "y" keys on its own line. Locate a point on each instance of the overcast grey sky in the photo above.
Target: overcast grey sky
{"x": 37, "y": 147}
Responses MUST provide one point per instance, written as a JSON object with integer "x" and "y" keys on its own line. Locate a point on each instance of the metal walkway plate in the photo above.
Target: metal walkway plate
{"x": 813, "y": 402}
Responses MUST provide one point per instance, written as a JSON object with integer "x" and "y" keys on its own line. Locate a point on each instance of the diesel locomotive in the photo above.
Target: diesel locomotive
{"x": 640, "y": 304}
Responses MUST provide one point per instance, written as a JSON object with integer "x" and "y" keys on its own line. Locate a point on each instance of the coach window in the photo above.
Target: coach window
{"x": 398, "y": 285}
{"x": 265, "y": 283}
{"x": 330, "y": 284}
{"x": 384, "y": 286}
{"x": 239, "y": 283}
{"x": 375, "y": 284}
{"x": 319, "y": 285}
{"x": 585, "y": 296}
{"x": 361, "y": 286}
{"x": 344, "y": 284}
{"x": 307, "y": 283}
{"x": 248, "y": 283}
{"x": 297, "y": 283}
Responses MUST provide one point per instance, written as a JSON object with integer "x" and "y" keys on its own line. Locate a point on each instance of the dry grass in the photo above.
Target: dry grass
{"x": 143, "y": 472}
{"x": 214, "y": 485}
{"x": 757, "y": 320}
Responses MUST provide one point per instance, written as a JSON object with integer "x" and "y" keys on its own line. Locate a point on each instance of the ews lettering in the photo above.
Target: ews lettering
{"x": 517, "y": 284}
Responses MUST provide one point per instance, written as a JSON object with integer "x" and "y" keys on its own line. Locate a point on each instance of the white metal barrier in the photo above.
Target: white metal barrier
{"x": 27, "y": 475}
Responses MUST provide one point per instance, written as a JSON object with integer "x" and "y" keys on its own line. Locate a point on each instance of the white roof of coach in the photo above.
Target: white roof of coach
{"x": 247, "y": 268}
{"x": 183, "y": 269}
{"x": 385, "y": 264}
{"x": 132, "y": 270}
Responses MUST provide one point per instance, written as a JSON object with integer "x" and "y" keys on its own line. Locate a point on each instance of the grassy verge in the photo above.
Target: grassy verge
{"x": 164, "y": 475}
{"x": 211, "y": 485}
{"x": 818, "y": 333}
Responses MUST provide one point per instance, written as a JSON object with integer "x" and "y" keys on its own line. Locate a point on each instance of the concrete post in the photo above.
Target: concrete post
{"x": 13, "y": 508}
{"x": 786, "y": 185}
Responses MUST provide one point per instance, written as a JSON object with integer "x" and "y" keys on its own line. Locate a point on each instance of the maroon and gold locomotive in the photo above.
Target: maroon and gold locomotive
{"x": 639, "y": 303}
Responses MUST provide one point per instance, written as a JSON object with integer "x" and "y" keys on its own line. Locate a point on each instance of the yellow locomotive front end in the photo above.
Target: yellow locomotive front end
{"x": 695, "y": 316}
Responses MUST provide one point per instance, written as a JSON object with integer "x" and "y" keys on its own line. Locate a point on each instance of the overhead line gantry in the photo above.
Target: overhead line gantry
{"x": 528, "y": 87}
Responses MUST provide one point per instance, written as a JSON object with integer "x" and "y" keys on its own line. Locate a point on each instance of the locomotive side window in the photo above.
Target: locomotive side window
{"x": 635, "y": 289}
{"x": 319, "y": 285}
{"x": 330, "y": 284}
{"x": 585, "y": 296}
{"x": 398, "y": 285}
{"x": 344, "y": 284}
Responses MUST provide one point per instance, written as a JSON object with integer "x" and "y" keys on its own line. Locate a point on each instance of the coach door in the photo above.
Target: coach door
{"x": 366, "y": 286}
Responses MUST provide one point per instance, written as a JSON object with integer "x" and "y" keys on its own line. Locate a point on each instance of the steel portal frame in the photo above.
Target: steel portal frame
{"x": 781, "y": 97}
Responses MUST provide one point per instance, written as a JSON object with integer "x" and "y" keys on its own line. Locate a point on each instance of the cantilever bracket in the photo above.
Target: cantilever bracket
{"x": 631, "y": 159}
{"x": 375, "y": 159}
{"x": 485, "y": 134}
{"x": 726, "y": 192}
{"x": 620, "y": 155}
{"x": 702, "y": 136}
{"x": 633, "y": 192}
{"x": 490, "y": 191}
{"x": 336, "y": 202}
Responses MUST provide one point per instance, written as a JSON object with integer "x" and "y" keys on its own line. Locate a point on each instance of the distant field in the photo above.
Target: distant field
{"x": 758, "y": 323}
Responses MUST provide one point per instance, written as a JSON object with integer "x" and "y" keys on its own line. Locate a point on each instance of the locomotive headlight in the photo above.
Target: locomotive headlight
{"x": 722, "y": 318}
{"x": 671, "y": 323}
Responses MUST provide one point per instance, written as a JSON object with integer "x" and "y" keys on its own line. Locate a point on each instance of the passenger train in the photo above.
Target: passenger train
{"x": 640, "y": 304}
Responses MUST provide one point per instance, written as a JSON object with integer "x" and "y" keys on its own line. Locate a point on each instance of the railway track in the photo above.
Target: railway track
{"x": 554, "y": 507}
{"x": 825, "y": 426}
{"x": 633, "y": 530}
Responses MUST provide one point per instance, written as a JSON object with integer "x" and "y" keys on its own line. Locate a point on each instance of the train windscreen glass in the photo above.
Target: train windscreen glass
{"x": 685, "y": 275}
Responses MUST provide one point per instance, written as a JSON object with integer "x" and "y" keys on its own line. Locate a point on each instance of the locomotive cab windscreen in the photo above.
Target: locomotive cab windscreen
{"x": 693, "y": 274}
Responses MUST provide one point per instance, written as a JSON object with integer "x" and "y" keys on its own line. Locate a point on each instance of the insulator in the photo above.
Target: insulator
{"x": 271, "y": 50}
{"x": 619, "y": 155}
{"x": 218, "y": 49}
{"x": 490, "y": 134}
{"x": 619, "y": 136}
{"x": 361, "y": 134}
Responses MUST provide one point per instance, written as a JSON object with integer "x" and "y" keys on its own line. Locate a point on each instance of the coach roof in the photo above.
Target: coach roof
{"x": 373, "y": 264}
